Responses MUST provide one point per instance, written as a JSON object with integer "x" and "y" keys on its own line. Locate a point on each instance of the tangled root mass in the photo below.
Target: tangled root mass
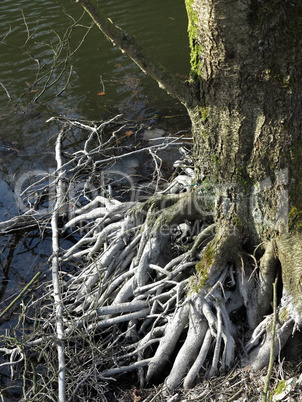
{"x": 150, "y": 284}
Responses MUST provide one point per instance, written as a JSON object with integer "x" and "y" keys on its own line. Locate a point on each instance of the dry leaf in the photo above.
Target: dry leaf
{"x": 101, "y": 93}
{"x": 136, "y": 398}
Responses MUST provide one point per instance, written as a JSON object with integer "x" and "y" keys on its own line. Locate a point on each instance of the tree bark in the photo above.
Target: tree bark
{"x": 246, "y": 74}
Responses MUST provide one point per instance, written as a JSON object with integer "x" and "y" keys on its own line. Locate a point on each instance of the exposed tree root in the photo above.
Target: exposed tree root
{"x": 159, "y": 286}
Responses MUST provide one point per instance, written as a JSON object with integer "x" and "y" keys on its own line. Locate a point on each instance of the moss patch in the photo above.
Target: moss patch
{"x": 295, "y": 220}
{"x": 283, "y": 315}
{"x": 280, "y": 388}
{"x": 204, "y": 111}
{"x": 207, "y": 259}
{"x": 195, "y": 46}
{"x": 243, "y": 179}
{"x": 201, "y": 279}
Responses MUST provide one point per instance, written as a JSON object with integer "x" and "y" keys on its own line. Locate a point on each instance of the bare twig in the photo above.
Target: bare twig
{"x": 7, "y": 93}
{"x": 272, "y": 355}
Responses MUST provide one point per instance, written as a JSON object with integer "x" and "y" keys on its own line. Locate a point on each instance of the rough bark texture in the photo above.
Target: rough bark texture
{"x": 246, "y": 73}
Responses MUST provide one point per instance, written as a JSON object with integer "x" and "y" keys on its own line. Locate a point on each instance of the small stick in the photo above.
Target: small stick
{"x": 271, "y": 358}
{"x": 7, "y": 93}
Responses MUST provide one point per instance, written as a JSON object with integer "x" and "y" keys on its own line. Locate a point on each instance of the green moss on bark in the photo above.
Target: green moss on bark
{"x": 283, "y": 315}
{"x": 195, "y": 46}
{"x": 201, "y": 280}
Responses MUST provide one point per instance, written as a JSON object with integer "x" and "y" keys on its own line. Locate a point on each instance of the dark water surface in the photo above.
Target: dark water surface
{"x": 33, "y": 77}
{"x": 30, "y": 37}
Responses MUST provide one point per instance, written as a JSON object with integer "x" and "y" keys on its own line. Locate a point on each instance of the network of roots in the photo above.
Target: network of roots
{"x": 142, "y": 291}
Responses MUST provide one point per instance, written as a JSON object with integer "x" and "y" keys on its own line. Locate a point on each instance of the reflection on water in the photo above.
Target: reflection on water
{"x": 35, "y": 39}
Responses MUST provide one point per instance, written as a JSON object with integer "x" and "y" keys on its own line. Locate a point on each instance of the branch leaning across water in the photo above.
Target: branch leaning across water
{"x": 127, "y": 44}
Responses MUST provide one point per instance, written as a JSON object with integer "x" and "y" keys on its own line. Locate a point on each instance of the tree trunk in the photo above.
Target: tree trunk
{"x": 246, "y": 74}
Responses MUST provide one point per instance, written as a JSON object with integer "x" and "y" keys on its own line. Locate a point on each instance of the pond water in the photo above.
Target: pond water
{"x": 54, "y": 62}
